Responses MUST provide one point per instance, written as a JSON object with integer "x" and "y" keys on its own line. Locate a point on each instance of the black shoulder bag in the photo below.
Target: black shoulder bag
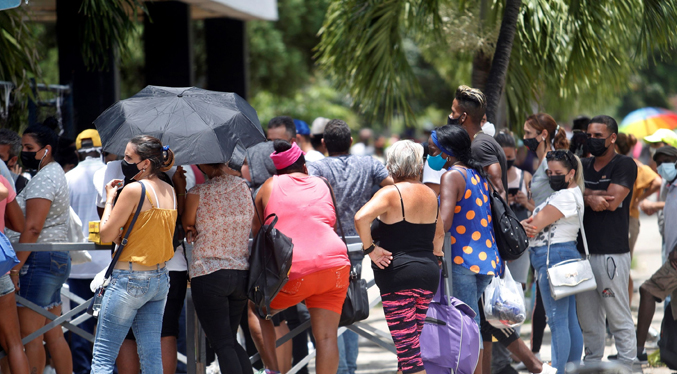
{"x": 511, "y": 239}
{"x": 356, "y": 305}
{"x": 270, "y": 262}
{"x": 95, "y": 306}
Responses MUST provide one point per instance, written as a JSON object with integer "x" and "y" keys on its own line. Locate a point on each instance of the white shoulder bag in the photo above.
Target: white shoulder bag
{"x": 573, "y": 276}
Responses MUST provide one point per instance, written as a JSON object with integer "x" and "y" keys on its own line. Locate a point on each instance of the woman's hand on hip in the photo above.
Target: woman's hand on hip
{"x": 381, "y": 257}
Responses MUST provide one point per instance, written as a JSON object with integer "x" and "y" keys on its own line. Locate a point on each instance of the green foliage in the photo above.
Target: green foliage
{"x": 18, "y": 62}
{"x": 108, "y": 26}
{"x": 316, "y": 100}
{"x": 567, "y": 54}
{"x": 362, "y": 51}
{"x": 280, "y": 53}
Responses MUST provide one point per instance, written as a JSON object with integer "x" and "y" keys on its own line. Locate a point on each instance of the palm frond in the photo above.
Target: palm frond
{"x": 107, "y": 26}
{"x": 361, "y": 50}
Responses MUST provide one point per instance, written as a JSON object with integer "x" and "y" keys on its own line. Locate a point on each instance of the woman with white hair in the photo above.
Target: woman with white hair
{"x": 402, "y": 243}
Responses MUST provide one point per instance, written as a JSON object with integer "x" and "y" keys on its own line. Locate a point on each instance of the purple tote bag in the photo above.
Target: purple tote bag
{"x": 450, "y": 340}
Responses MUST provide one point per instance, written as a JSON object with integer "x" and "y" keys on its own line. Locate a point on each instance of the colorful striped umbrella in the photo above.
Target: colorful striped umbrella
{"x": 646, "y": 121}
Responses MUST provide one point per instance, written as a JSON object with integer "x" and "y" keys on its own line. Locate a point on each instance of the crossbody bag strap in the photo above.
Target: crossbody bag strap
{"x": 338, "y": 220}
{"x": 585, "y": 241}
{"x": 129, "y": 231}
{"x": 256, "y": 210}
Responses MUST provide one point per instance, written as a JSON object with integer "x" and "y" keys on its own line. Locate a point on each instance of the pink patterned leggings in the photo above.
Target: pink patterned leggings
{"x": 405, "y": 313}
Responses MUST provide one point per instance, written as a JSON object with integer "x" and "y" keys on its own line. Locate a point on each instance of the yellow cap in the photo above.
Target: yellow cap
{"x": 88, "y": 134}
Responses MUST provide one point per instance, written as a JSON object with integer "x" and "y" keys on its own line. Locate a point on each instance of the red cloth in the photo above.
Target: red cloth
{"x": 199, "y": 177}
{"x": 306, "y": 214}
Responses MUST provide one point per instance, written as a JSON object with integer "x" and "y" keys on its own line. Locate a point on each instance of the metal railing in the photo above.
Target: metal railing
{"x": 196, "y": 344}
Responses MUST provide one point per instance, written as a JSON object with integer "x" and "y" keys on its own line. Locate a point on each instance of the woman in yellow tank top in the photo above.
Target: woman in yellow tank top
{"x": 139, "y": 284}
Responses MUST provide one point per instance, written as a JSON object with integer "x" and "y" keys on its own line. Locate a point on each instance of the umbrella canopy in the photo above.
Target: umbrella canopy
{"x": 200, "y": 126}
{"x": 646, "y": 121}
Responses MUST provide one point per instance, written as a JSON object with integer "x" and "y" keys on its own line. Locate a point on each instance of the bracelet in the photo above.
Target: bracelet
{"x": 14, "y": 271}
{"x": 369, "y": 249}
{"x": 109, "y": 203}
{"x": 180, "y": 194}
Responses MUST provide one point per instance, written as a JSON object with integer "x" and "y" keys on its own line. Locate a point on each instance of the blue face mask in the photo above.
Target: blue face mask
{"x": 667, "y": 171}
{"x": 436, "y": 162}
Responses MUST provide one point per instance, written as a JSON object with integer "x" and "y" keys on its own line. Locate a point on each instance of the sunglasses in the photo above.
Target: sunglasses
{"x": 561, "y": 156}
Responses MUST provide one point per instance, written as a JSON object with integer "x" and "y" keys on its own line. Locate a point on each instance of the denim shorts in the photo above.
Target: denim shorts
{"x": 469, "y": 287}
{"x": 6, "y": 285}
{"x": 42, "y": 276}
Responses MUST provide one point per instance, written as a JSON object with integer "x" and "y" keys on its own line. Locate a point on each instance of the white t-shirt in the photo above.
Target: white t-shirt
{"x": 83, "y": 194}
{"x": 569, "y": 202}
{"x": 432, "y": 176}
{"x": 313, "y": 155}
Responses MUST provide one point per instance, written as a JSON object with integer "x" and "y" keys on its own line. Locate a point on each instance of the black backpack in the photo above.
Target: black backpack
{"x": 511, "y": 239}
{"x": 269, "y": 265}
{"x": 668, "y": 340}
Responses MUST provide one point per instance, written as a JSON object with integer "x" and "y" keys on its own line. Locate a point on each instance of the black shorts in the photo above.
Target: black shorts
{"x": 178, "y": 281}
{"x": 504, "y": 336}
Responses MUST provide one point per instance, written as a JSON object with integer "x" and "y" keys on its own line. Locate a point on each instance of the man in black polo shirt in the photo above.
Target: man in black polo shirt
{"x": 609, "y": 178}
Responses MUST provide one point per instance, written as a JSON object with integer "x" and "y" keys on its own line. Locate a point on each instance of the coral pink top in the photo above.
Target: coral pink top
{"x": 306, "y": 214}
{"x": 4, "y": 202}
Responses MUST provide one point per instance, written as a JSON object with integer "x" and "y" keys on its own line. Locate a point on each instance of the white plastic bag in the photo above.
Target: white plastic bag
{"x": 504, "y": 302}
{"x": 75, "y": 235}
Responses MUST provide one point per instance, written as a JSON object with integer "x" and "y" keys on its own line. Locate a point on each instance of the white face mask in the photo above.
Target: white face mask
{"x": 489, "y": 128}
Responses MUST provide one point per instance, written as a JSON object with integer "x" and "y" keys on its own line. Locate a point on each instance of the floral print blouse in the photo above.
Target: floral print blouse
{"x": 223, "y": 223}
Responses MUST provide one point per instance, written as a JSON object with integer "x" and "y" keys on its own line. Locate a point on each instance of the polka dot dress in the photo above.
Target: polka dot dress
{"x": 473, "y": 245}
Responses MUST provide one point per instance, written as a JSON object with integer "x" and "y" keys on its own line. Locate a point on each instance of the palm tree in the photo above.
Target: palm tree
{"x": 541, "y": 51}
{"x": 108, "y": 24}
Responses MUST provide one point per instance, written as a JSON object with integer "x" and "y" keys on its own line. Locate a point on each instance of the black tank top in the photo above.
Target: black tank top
{"x": 413, "y": 265}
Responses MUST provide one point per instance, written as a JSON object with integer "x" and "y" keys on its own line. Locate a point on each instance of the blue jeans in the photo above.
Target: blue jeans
{"x": 469, "y": 287}
{"x": 348, "y": 349}
{"x": 133, "y": 299}
{"x": 567, "y": 338}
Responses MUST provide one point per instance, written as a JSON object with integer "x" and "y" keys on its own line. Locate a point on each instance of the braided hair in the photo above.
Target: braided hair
{"x": 456, "y": 139}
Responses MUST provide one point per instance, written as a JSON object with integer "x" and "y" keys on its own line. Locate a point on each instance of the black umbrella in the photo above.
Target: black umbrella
{"x": 201, "y": 126}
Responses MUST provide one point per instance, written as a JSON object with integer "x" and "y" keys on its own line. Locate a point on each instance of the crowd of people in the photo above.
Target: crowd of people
{"x": 401, "y": 201}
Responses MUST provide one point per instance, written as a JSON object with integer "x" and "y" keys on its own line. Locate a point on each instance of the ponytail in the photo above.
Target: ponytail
{"x": 580, "y": 181}
{"x": 167, "y": 159}
{"x": 457, "y": 140}
{"x": 560, "y": 140}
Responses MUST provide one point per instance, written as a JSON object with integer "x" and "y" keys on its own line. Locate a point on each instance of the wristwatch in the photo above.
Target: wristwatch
{"x": 369, "y": 249}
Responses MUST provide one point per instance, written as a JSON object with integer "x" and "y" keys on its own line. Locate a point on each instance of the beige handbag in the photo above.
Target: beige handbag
{"x": 573, "y": 276}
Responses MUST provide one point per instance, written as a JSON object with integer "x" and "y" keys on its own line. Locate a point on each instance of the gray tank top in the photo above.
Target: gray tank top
{"x": 540, "y": 187}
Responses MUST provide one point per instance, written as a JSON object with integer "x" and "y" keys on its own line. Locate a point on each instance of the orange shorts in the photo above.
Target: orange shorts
{"x": 324, "y": 289}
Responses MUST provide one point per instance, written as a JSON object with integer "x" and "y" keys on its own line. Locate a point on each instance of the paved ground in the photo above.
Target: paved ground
{"x": 373, "y": 359}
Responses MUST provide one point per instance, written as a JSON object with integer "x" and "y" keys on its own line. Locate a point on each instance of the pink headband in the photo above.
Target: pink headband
{"x": 285, "y": 159}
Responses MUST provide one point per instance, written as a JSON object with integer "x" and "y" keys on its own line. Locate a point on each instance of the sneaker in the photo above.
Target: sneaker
{"x": 642, "y": 357}
{"x": 547, "y": 369}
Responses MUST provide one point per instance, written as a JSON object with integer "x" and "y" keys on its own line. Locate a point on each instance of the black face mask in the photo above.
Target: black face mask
{"x": 558, "y": 182}
{"x": 596, "y": 146}
{"x": 129, "y": 171}
{"x": 531, "y": 143}
{"x": 510, "y": 163}
{"x": 28, "y": 160}
{"x": 454, "y": 121}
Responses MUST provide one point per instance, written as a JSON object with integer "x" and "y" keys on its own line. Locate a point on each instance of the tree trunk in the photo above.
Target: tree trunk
{"x": 481, "y": 65}
{"x": 499, "y": 65}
